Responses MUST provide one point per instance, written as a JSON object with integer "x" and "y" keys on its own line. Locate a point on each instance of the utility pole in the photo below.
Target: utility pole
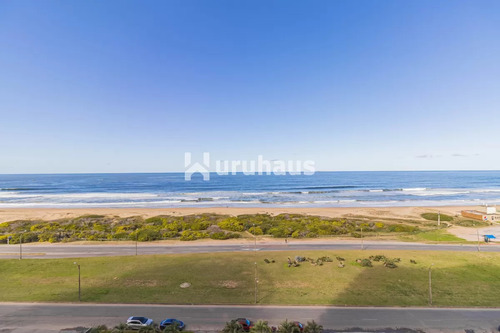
{"x": 79, "y": 283}
{"x": 362, "y": 240}
{"x": 20, "y": 246}
{"x": 430, "y": 284}
{"x": 478, "y": 246}
{"x": 255, "y": 263}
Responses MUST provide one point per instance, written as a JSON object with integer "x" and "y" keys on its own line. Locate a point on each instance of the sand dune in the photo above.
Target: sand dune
{"x": 386, "y": 212}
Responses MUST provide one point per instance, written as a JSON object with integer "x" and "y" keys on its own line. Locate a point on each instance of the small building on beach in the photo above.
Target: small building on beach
{"x": 490, "y": 215}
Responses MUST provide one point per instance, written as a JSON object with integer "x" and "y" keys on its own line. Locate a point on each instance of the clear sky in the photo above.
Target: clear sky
{"x": 129, "y": 86}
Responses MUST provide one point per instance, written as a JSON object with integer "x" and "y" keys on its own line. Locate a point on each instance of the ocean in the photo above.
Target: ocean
{"x": 332, "y": 189}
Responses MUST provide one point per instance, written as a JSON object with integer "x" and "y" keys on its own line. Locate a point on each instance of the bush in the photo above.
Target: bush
{"x": 118, "y": 235}
{"x": 402, "y": 228}
{"x": 434, "y": 217}
{"x": 231, "y": 224}
{"x": 156, "y": 220}
{"x": 219, "y": 235}
{"x": 188, "y": 235}
{"x": 169, "y": 234}
{"x": 144, "y": 235}
{"x": 279, "y": 232}
{"x": 256, "y": 231}
{"x": 366, "y": 263}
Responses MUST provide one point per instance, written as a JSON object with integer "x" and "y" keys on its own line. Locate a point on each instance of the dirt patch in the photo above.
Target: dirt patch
{"x": 292, "y": 284}
{"x": 229, "y": 284}
{"x": 141, "y": 283}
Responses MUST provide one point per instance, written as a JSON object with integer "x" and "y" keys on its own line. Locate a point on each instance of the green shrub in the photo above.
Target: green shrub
{"x": 197, "y": 226}
{"x": 144, "y": 235}
{"x": 169, "y": 234}
{"x": 188, "y": 235}
{"x": 402, "y": 228}
{"x": 279, "y": 232}
{"x": 231, "y": 224}
{"x": 366, "y": 263}
{"x": 118, "y": 235}
{"x": 434, "y": 217}
{"x": 156, "y": 220}
{"x": 257, "y": 231}
{"x": 219, "y": 235}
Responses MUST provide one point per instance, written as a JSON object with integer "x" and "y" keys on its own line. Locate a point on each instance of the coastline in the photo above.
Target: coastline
{"x": 410, "y": 212}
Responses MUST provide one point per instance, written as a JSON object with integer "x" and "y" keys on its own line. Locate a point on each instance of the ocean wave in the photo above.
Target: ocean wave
{"x": 332, "y": 187}
{"x": 438, "y": 193}
{"x": 413, "y": 189}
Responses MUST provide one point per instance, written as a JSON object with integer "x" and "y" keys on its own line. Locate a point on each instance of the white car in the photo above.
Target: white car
{"x": 139, "y": 322}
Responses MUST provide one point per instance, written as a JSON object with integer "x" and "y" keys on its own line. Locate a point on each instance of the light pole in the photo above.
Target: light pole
{"x": 430, "y": 284}
{"x": 79, "y": 284}
{"x": 255, "y": 261}
{"x": 478, "y": 246}
{"x": 362, "y": 240}
{"x": 21, "y": 244}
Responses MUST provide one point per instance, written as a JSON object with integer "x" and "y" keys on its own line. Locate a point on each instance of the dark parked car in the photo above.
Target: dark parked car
{"x": 170, "y": 322}
{"x": 245, "y": 323}
{"x": 299, "y": 325}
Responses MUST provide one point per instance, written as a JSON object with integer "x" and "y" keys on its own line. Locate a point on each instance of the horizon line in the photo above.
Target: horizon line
{"x": 238, "y": 173}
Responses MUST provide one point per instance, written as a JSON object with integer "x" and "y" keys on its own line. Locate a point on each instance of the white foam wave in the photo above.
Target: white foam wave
{"x": 414, "y": 189}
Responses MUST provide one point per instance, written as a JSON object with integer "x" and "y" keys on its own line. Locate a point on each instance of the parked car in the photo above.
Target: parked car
{"x": 299, "y": 325}
{"x": 139, "y": 322}
{"x": 171, "y": 321}
{"x": 245, "y": 323}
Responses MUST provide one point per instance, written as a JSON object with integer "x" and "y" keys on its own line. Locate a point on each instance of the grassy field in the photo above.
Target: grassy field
{"x": 437, "y": 235}
{"x": 458, "y": 279}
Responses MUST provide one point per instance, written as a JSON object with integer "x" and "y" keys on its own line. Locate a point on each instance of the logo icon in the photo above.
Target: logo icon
{"x": 196, "y": 167}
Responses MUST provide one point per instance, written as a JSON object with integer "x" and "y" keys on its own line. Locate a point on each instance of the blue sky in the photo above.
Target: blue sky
{"x": 129, "y": 86}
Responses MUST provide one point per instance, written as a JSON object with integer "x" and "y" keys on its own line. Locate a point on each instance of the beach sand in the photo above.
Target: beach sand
{"x": 12, "y": 214}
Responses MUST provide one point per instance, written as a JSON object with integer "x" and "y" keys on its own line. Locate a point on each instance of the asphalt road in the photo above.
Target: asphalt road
{"x": 29, "y": 317}
{"x": 41, "y": 251}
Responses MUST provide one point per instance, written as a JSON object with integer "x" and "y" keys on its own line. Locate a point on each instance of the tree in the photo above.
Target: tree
{"x": 233, "y": 327}
{"x": 313, "y": 327}
{"x": 261, "y": 327}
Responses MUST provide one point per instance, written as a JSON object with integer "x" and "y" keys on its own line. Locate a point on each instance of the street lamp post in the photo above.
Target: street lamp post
{"x": 255, "y": 262}
{"x": 362, "y": 240}
{"x": 478, "y": 245}
{"x": 79, "y": 284}
{"x": 21, "y": 244}
{"x": 430, "y": 284}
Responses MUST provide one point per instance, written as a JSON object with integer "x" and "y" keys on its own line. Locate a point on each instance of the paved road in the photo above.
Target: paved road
{"x": 29, "y": 317}
{"x": 70, "y": 251}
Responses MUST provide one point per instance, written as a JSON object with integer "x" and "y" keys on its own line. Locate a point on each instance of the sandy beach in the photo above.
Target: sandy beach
{"x": 385, "y": 212}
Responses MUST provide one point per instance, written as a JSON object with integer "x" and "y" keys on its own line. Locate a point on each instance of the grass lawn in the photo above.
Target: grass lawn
{"x": 458, "y": 279}
{"x": 434, "y": 217}
{"x": 436, "y": 235}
